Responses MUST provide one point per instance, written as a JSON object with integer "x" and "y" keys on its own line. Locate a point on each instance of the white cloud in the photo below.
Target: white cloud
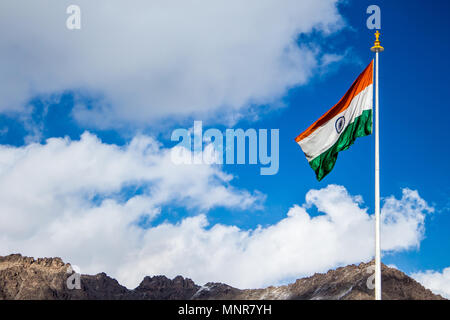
{"x": 438, "y": 282}
{"x": 405, "y": 218}
{"x": 296, "y": 246}
{"x": 63, "y": 179}
{"x": 65, "y": 198}
{"x": 144, "y": 60}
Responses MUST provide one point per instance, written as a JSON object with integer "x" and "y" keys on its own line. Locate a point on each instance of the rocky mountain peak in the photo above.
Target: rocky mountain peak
{"x": 28, "y": 261}
{"x": 46, "y": 278}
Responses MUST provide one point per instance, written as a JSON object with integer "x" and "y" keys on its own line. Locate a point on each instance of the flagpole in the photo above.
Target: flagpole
{"x": 377, "y": 48}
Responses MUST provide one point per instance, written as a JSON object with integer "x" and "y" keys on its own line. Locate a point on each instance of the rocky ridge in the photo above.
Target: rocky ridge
{"x": 46, "y": 278}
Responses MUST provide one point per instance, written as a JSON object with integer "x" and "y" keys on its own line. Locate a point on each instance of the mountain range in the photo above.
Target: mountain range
{"x": 26, "y": 278}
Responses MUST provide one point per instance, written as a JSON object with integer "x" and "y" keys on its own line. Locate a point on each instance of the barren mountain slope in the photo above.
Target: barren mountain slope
{"x": 46, "y": 278}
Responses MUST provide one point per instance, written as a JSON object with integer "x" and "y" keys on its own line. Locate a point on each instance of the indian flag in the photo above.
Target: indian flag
{"x": 337, "y": 129}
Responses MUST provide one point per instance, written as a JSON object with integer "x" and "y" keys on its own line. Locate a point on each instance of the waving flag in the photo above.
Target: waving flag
{"x": 338, "y": 129}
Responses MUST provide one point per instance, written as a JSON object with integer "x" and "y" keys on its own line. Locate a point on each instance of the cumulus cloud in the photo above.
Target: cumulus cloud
{"x": 144, "y": 60}
{"x": 298, "y": 245}
{"x": 88, "y": 179}
{"x": 438, "y": 282}
{"x": 69, "y": 198}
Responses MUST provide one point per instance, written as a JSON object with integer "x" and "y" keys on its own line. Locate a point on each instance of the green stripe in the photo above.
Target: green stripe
{"x": 362, "y": 126}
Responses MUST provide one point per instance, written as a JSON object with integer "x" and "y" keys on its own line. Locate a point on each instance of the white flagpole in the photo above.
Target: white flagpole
{"x": 377, "y": 48}
{"x": 377, "y": 190}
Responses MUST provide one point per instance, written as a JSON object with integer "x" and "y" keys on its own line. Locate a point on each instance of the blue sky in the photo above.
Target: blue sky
{"x": 413, "y": 83}
{"x": 413, "y": 118}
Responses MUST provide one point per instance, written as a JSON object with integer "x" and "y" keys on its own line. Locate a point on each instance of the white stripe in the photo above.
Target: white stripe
{"x": 326, "y": 136}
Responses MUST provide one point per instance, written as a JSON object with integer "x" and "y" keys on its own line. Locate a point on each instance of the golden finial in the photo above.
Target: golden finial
{"x": 377, "y": 46}
{"x": 377, "y": 35}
